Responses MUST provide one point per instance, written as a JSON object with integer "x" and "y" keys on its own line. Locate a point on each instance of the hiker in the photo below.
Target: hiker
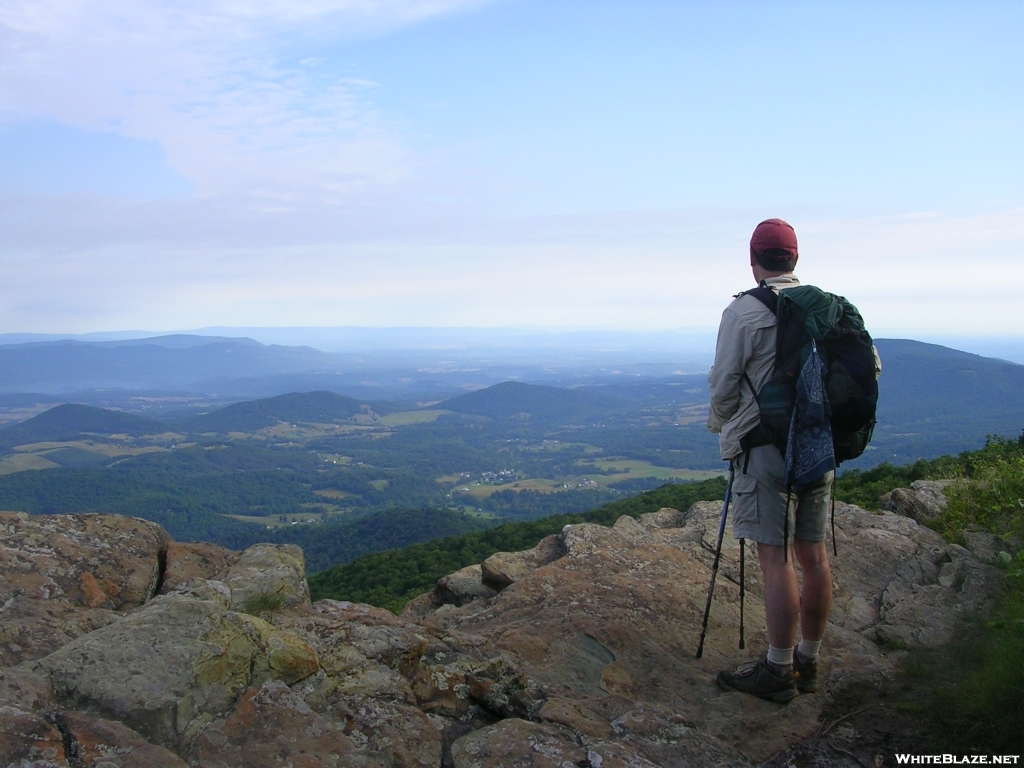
{"x": 780, "y": 502}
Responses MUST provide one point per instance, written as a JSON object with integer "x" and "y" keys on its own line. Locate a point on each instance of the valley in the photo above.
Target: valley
{"x": 321, "y": 468}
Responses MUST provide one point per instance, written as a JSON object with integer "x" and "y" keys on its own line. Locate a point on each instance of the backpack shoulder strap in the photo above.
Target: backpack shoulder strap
{"x": 765, "y": 295}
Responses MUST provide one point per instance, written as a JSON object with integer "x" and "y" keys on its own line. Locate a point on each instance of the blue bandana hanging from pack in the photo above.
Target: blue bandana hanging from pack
{"x": 809, "y": 450}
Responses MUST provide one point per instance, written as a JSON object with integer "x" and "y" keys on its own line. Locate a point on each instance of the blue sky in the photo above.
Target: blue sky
{"x": 174, "y": 164}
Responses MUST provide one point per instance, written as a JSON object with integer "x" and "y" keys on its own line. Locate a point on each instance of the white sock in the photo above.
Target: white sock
{"x": 808, "y": 649}
{"x": 781, "y": 659}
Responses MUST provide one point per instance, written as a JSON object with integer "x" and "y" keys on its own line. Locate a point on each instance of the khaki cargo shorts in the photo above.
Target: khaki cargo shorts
{"x": 759, "y": 500}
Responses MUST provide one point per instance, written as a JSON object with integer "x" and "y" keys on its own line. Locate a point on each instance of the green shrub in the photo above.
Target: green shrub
{"x": 263, "y": 604}
{"x": 991, "y": 498}
{"x": 974, "y": 686}
{"x": 864, "y": 487}
{"x": 973, "y": 696}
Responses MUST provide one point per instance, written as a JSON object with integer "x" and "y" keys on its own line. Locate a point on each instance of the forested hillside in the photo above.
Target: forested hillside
{"x": 932, "y": 399}
{"x": 69, "y": 421}
{"x": 306, "y": 407}
{"x": 548, "y": 405}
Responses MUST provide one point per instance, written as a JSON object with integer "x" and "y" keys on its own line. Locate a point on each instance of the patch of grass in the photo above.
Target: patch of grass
{"x": 973, "y": 688}
{"x": 617, "y": 470}
{"x": 263, "y": 604}
{"x": 479, "y": 491}
{"x": 972, "y": 693}
{"x": 405, "y": 418}
{"x": 20, "y": 462}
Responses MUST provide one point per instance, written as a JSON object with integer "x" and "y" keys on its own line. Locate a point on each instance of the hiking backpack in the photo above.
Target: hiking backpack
{"x": 812, "y": 322}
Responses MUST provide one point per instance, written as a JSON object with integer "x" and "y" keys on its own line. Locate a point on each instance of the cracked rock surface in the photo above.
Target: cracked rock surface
{"x": 119, "y": 647}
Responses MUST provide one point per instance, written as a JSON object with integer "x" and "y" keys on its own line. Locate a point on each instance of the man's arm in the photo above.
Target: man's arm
{"x": 732, "y": 353}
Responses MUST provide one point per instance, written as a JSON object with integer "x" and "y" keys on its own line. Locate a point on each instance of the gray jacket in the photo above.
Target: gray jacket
{"x": 746, "y": 344}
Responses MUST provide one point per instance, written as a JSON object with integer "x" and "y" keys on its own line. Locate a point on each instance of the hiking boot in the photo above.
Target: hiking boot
{"x": 758, "y": 679}
{"x": 805, "y": 673}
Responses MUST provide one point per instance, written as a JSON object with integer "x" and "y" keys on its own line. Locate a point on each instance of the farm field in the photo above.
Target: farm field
{"x": 615, "y": 470}
{"x": 405, "y": 418}
{"x": 275, "y": 521}
{"x": 24, "y": 462}
{"x": 108, "y": 449}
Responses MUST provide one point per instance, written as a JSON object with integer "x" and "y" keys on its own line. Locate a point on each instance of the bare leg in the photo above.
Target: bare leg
{"x": 816, "y": 596}
{"x": 781, "y": 595}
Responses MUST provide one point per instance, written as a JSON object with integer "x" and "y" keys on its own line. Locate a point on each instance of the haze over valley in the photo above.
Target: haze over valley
{"x": 223, "y": 438}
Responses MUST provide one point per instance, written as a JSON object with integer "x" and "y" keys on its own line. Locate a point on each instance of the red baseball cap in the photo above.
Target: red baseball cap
{"x": 773, "y": 233}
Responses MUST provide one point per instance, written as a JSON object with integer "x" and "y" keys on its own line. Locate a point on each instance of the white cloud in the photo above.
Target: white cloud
{"x": 927, "y": 272}
{"x": 309, "y": 213}
{"x": 152, "y": 267}
{"x": 208, "y": 81}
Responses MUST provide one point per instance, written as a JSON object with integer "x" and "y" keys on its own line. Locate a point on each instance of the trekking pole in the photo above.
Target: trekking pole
{"x": 743, "y": 589}
{"x": 714, "y": 565}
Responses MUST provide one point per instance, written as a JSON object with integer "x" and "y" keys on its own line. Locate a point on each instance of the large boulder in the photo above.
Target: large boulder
{"x": 503, "y": 569}
{"x": 268, "y": 575}
{"x": 924, "y": 500}
{"x": 462, "y": 587}
{"x": 62, "y": 576}
{"x": 93, "y": 561}
{"x": 168, "y": 669}
{"x": 195, "y": 560}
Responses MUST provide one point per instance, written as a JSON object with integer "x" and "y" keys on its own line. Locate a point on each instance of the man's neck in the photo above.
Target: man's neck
{"x": 761, "y": 274}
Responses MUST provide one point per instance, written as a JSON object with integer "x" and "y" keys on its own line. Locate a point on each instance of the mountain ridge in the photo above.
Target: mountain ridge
{"x": 515, "y": 399}
{"x": 68, "y": 421}
{"x": 320, "y": 407}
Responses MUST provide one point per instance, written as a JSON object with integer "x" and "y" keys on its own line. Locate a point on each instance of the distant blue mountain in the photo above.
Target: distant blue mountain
{"x": 165, "y": 363}
{"x": 516, "y": 400}
{"x": 934, "y": 400}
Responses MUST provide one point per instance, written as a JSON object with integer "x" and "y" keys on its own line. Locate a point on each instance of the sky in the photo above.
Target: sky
{"x": 177, "y": 164}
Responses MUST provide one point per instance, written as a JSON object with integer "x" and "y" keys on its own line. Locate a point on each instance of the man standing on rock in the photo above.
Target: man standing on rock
{"x": 744, "y": 361}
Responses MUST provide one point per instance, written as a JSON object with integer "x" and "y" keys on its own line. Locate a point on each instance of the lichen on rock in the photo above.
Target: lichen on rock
{"x": 579, "y": 651}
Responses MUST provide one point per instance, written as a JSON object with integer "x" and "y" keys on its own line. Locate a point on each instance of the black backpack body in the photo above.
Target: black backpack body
{"x": 808, "y": 317}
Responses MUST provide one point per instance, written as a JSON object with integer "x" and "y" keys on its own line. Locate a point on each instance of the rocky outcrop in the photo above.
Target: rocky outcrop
{"x": 195, "y": 560}
{"x": 506, "y": 568}
{"x": 612, "y": 626}
{"x": 92, "y": 561}
{"x": 272, "y": 573}
{"x": 64, "y": 576}
{"x": 577, "y": 652}
{"x": 924, "y": 500}
{"x": 463, "y": 586}
{"x": 167, "y": 669}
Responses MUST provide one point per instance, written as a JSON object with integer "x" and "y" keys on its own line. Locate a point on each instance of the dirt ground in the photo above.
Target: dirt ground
{"x": 865, "y": 729}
